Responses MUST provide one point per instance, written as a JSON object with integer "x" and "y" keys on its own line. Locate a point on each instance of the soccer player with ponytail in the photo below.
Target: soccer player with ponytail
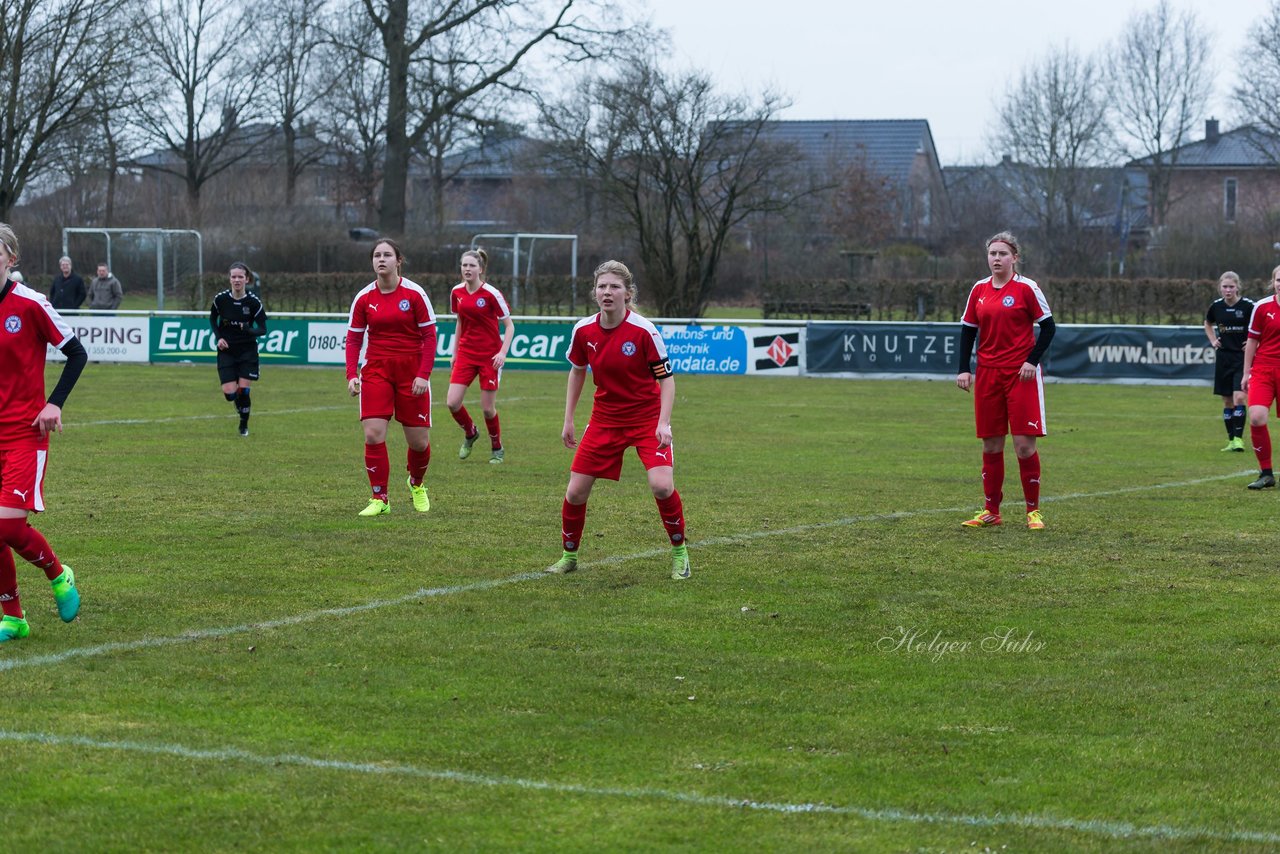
{"x": 393, "y": 316}
{"x": 1008, "y": 388}
{"x": 238, "y": 320}
{"x": 479, "y": 351}
{"x": 635, "y": 392}
{"x": 28, "y": 325}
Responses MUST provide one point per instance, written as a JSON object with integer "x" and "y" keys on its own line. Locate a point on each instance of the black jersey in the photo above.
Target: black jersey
{"x": 241, "y": 321}
{"x": 1232, "y": 322}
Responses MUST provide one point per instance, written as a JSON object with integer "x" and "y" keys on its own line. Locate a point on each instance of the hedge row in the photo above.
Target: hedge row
{"x": 333, "y": 292}
{"x": 1145, "y": 301}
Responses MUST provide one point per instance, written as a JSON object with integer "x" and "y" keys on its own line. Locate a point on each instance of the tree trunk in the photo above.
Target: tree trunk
{"x": 395, "y": 172}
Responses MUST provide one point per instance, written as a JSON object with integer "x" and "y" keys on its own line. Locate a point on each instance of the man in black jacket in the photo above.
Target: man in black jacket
{"x": 67, "y": 291}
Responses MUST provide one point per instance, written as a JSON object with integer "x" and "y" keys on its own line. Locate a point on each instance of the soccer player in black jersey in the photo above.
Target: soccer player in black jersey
{"x": 238, "y": 319}
{"x": 1226, "y": 324}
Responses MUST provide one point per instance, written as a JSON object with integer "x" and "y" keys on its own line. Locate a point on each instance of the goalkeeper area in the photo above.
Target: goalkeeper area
{"x": 254, "y": 666}
{"x": 147, "y": 261}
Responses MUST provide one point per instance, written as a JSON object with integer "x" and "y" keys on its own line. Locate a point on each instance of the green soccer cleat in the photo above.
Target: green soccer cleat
{"x": 66, "y": 594}
{"x": 467, "y": 442}
{"x": 567, "y": 563}
{"x": 495, "y": 458}
{"x": 419, "y": 494}
{"x": 14, "y": 628}
{"x": 1035, "y": 521}
{"x": 680, "y": 562}
{"x": 1237, "y": 444}
{"x": 377, "y": 507}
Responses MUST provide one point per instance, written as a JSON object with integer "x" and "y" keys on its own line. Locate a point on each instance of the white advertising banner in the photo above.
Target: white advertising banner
{"x": 111, "y": 339}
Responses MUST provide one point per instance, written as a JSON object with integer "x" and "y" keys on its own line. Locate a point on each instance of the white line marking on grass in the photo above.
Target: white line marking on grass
{"x": 425, "y": 593}
{"x": 208, "y": 634}
{"x": 259, "y": 413}
{"x": 1097, "y": 827}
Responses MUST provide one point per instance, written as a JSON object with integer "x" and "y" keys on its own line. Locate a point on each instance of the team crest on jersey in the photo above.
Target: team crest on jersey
{"x": 13, "y": 323}
{"x": 629, "y": 348}
{"x": 1007, "y": 302}
{"x": 480, "y": 303}
{"x": 404, "y": 305}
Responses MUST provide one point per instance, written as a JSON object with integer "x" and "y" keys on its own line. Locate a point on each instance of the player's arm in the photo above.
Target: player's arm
{"x": 508, "y": 333}
{"x": 1043, "y": 340}
{"x": 964, "y": 372}
{"x": 50, "y": 417}
{"x": 1250, "y": 349}
{"x": 667, "y": 401}
{"x": 215, "y": 319}
{"x": 577, "y": 378}
{"x": 258, "y": 326}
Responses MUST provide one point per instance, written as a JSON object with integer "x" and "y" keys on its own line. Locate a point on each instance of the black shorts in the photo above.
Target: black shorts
{"x": 235, "y": 365}
{"x": 1228, "y": 370}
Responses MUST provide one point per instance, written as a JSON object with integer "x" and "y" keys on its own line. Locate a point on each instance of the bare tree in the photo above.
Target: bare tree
{"x": 203, "y": 90}
{"x": 682, "y": 165}
{"x": 439, "y": 54}
{"x": 1160, "y": 79}
{"x": 861, "y": 210}
{"x": 355, "y": 122}
{"x": 292, "y": 40}
{"x": 1053, "y": 123}
{"x": 53, "y": 54}
{"x": 1258, "y": 94}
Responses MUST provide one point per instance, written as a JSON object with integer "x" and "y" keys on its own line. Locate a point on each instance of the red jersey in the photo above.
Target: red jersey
{"x": 28, "y": 324}
{"x": 626, "y": 363}
{"x": 399, "y": 323}
{"x": 1004, "y": 318}
{"x": 1264, "y": 327}
{"x": 479, "y": 317}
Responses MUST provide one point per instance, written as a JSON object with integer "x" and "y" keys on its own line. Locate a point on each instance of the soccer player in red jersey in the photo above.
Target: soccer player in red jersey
{"x": 635, "y": 392}
{"x": 1008, "y": 386}
{"x": 28, "y": 325}
{"x": 478, "y": 351}
{"x": 1261, "y": 379}
{"x": 393, "y": 320}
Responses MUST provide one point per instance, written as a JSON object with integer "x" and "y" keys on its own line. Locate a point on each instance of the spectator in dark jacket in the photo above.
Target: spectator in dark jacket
{"x": 67, "y": 290}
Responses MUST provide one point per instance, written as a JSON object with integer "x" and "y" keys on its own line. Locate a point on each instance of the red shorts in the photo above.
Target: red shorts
{"x": 464, "y": 372}
{"x": 22, "y": 476}
{"x": 1004, "y": 403}
{"x": 601, "y": 450}
{"x": 1263, "y": 385}
{"x": 386, "y": 389}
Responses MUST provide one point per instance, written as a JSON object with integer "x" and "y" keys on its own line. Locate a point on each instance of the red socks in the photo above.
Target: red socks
{"x": 495, "y": 431}
{"x": 573, "y": 518}
{"x": 378, "y": 466}
{"x": 1029, "y": 468}
{"x": 31, "y": 545}
{"x": 9, "y": 602}
{"x": 1261, "y": 437}
{"x": 417, "y": 465}
{"x": 464, "y": 420}
{"x": 993, "y": 480}
{"x": 672, "y": 513}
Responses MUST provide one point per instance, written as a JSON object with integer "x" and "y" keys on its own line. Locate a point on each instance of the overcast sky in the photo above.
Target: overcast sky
{"x": 948, "y": 62}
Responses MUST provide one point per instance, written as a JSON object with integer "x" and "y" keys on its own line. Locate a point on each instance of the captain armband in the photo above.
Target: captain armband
{"x": 661, "y": 369}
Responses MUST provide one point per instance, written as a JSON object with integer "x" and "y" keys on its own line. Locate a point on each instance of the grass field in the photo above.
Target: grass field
{"x": 257, "y": 668}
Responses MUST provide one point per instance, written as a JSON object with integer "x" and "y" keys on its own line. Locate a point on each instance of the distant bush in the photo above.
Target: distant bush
{"x": 1141, "y": 301}
{"x": 333, "y": 292}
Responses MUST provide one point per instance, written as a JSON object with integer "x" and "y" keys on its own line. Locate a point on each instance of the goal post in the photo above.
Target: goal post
{"x": 532, "y": 239}
{"x": 164, "y": 239}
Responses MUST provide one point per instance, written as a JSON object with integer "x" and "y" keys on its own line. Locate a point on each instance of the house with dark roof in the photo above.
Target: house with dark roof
{"x": 1229, "y": 179}
{"x": 899, "y": 151}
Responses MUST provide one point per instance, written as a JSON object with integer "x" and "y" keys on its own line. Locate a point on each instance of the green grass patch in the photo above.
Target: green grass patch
{"x": 1106, "y": 683}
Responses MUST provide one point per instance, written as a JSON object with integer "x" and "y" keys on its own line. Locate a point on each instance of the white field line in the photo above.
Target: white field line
{"x": 258, "y": 413}
{"x": 427, "y": 593}
{"x": 1095, "y": 827}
